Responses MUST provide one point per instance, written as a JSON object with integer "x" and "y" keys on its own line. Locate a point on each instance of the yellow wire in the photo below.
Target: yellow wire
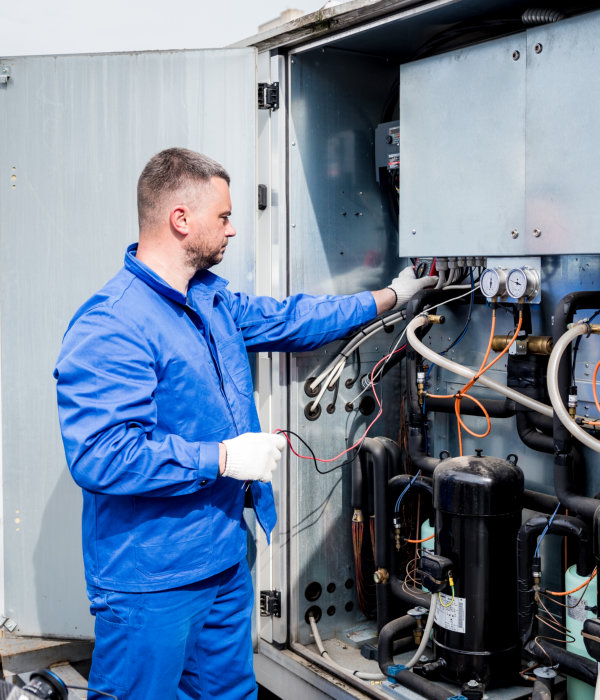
{"x": 450, "y": 603}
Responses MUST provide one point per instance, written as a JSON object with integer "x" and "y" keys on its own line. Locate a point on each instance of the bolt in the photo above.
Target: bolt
{"x": 538, "y": 48}
{"x": 537, "y": 232}
{"x": 424, "y": 659}
{"x": 472, "y": 684}
{"x": 516, "y": 55}
{"x": 514, "y": 233}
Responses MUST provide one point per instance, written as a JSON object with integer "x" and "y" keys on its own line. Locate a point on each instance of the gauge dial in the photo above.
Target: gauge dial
{"x": 493, "y": 282}
{"x": 522, "y": 283}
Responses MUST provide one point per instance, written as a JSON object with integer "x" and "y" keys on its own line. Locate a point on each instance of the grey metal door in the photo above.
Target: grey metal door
{"x": 76, "y": 131}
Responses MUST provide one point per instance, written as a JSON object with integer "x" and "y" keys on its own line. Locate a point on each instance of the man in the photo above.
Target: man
{"x": 161, "y": 432}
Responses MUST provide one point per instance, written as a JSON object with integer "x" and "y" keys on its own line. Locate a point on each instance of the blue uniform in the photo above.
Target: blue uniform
{"x": 149, "y": 382}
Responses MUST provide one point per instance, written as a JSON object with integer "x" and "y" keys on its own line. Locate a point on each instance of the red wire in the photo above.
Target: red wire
{"x": 364, "y": 435}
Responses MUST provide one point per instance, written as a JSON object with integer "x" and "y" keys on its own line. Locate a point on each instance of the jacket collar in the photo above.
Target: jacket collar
{"x": 202, "y": 284}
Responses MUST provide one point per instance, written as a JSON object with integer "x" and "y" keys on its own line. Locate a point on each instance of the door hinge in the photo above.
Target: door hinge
{"x": 268, "y": 95}
{"x": 4, "y": 74}
{"x": 270, "y": 603}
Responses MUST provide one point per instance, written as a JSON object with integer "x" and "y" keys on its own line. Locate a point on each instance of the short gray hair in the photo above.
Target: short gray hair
{"x": 170, "y": 171}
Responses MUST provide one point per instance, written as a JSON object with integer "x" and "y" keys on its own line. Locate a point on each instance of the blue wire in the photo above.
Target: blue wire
{"x": 401, "y": 496}
{"x": 537, "y": 549}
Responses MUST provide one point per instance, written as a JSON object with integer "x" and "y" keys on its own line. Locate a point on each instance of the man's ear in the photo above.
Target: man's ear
{"x": 179, "y": 219}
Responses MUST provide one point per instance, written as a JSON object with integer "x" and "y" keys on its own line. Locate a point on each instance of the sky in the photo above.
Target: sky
{"x": 29, "y": 27}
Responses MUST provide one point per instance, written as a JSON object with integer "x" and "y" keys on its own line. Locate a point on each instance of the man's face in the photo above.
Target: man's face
{"x": 211, "y": 228}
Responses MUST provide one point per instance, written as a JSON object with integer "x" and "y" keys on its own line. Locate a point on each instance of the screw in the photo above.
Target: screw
{"x": 514, "y": 233}
{"x": 516, "y": 55}
{"x": 414, "y": 232}
{"x": 537, "y": 232}
{"x": 538, "y": 48}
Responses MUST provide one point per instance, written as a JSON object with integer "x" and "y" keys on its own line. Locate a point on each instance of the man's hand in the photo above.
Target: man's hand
{"x": 407, "y": 285}
{"x": 252, "y": 456}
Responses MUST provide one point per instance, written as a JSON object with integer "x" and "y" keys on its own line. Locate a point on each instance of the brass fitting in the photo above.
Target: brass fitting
{"x": 381, "y": 576}
{"x": 436, "y": 318}
{"x": 357, "y": 516}
{"x": 397, "y": 538}
{"x": 532, "y": 344}
{"x": 421, "y": 386}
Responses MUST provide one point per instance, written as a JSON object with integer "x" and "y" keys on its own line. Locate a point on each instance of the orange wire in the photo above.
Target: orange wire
{"x": 419, "y": 541}
{"x": 483, "y": 368}
{"x": 594, "y": 385}
{"x": 574, "y": 590}
{"x": 483, "y": 410}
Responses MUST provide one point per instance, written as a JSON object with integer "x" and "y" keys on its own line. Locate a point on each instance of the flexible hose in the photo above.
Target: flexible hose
{"x": 363, "y": 675}
{"x": 426, "y": 633}
{"x": 534, "y": 17}
{"x": 463, "y": 371}
{"x": 561, "y": 412}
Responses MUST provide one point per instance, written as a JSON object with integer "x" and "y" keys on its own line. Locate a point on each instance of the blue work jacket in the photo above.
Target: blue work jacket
{"x": 149, "y": 382}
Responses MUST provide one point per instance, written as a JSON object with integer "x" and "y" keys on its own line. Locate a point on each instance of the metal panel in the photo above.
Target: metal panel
{"x": 341, "y": 240}
{"x": 563, "y": 135}
{"x": 76, "y": 132}
{"x": 462, "y": 151}
{"x": 271, "y": 571}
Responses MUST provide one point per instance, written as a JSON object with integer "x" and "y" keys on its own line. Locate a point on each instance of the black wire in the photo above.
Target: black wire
{"x": 576, "y": 349}
{"x": 94, "y": 690}
{"x": 314, "y": 458}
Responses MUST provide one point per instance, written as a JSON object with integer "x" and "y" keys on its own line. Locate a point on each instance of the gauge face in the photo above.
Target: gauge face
{"x": 492, "y": 282}
{"x": 516, "y": 283}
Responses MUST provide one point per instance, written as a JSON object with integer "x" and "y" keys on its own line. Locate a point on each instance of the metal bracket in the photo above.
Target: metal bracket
{"x": 270, "y": 603}
{"x": 268, "y": 95}
{"x": 4, "y": 74}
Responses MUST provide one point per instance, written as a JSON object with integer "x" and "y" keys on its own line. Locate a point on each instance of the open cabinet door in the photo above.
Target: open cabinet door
{"x": 76, "y": 133}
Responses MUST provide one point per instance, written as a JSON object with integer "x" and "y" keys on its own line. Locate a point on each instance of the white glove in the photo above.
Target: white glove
{"x": 407, "y": 285}
{"x": 253, "y": 456}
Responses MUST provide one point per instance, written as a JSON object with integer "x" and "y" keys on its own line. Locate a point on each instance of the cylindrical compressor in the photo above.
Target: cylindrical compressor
{"x": 478, "y": 502}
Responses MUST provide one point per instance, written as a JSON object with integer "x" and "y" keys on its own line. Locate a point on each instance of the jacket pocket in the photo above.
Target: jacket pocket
{"x": 233, "y": 360}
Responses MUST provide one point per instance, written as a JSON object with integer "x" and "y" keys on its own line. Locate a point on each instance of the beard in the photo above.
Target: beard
{"x": 200, "y": 258}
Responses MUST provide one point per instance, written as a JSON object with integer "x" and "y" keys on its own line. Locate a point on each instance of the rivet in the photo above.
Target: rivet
{"x": 537, "y": 232}
{"x": 514, "y": 233}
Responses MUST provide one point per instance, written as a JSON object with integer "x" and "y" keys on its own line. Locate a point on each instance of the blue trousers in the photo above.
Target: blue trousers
{"x": 180, "y": 644}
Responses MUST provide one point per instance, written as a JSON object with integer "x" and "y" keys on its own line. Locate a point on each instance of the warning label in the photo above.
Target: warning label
{"x": 450, "y": 614}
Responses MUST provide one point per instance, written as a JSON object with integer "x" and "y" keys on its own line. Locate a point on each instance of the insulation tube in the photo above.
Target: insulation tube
{"x": 363, "y": 675}
{"x": 463, "y": 371}
{"x": 561, "y": 412}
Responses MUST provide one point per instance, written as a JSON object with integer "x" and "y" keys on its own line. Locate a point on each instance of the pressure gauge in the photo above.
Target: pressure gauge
{"x": 493, "y": 282}
{"x": 523, "y": 283}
